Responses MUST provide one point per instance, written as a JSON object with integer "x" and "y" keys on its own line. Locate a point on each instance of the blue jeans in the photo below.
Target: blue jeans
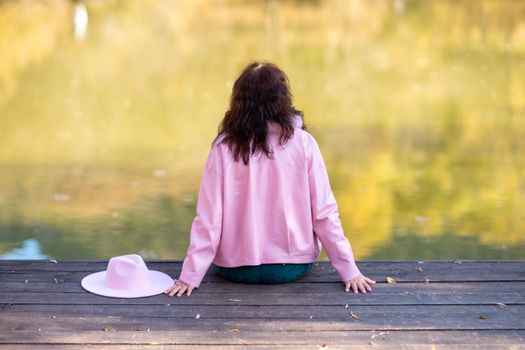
{"x": 264, "y": 273}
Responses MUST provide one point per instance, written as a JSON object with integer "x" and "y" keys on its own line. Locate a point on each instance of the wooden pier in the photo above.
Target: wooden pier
{"x": 458, "y": 304}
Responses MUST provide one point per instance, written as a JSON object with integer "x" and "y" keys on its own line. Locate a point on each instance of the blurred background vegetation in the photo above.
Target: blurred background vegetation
{"x": 108, "y": 109}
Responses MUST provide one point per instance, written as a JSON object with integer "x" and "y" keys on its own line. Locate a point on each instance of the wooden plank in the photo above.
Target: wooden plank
{"x": 320, "y": 265}
{"x": 203, "y": 347}
{"x": 193, "y": 347}
{"x": 369, "y": 317}
{"x": 238, "y": 337}
{"x": 366, "y": 321}
{"x": 331, "y": 346}
{"x": 399, "y": 276}
{"x": 223, "y": 347}
{"x": 425, "y": 295}
{"x": 442, "y": 289}
{"x": 402, "y": 271}
{"x": 370, "y": 345}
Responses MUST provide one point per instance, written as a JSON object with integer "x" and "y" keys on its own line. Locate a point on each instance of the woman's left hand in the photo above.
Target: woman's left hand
{"x": 361, "y": 283}
{"x": 179, "y": 287}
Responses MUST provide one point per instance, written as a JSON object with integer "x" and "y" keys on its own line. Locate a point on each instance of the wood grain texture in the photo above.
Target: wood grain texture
{"x": 450, "y": 304}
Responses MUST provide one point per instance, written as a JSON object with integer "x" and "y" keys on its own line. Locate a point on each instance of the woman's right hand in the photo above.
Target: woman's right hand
{"x": 361, "y": 283}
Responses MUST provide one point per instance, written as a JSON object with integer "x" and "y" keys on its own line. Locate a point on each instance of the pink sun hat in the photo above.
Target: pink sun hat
{"x": 127, "y": 277}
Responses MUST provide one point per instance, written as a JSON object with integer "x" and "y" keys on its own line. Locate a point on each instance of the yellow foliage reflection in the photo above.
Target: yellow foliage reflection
{"x": 418, "y": 106}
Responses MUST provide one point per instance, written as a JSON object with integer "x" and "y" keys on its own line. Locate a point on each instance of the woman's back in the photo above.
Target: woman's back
{"x": 267, "y": 214}
{"x": 272, "y": 210}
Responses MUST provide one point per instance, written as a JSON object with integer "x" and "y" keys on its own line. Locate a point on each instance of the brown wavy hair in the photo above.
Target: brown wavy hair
{"x": 260, "y": 95}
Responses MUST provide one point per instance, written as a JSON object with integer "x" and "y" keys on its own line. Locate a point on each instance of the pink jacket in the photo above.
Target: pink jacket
{"x": 279, "y": 210}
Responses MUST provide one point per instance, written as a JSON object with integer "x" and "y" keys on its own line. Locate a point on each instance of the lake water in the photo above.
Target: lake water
{"x": 107, "y": 113}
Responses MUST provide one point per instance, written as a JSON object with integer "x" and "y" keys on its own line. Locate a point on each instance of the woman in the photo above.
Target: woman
{"x": 265, "y": 207}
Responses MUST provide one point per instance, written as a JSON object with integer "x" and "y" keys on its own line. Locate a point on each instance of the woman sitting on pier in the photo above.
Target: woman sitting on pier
{"x": 265, "y": 207}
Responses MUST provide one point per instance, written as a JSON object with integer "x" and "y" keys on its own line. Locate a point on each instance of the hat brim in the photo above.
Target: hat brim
{"x": 94, "y": 283}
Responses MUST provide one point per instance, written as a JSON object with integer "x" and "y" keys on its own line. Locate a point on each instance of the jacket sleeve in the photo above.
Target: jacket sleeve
{"x": 325, "y": 216}
{"x": 207, "y": 225}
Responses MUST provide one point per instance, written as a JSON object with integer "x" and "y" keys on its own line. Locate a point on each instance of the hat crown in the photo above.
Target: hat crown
{"x": 127, "y": 272}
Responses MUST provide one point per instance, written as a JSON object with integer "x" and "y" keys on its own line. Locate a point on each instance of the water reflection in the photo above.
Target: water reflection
{"x": 418, "y": 108}
{"x": 30, "y": 249}
{"x": 445, "y": 246}
{"x": 80, "y": 21}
